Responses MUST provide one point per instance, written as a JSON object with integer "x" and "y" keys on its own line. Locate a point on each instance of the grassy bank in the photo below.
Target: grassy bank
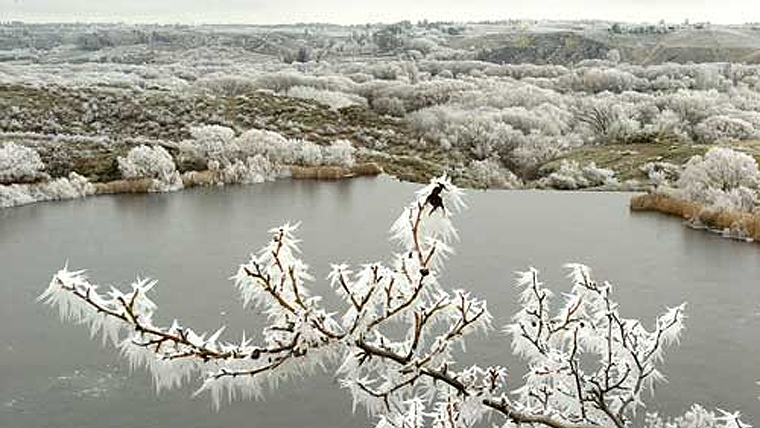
{"x": 627, "y": 159}
{"x": 732, "y": 222}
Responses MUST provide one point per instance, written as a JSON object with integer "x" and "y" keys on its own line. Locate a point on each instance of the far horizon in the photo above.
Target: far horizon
{"x": 359, "y": 24}
{"x": 344, "y": 12}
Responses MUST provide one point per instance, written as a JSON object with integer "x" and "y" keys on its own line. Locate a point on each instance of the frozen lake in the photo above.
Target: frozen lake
{"x": 52, "y": 375}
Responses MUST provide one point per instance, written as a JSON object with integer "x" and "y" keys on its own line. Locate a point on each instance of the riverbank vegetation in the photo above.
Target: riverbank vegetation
{"x": 213, "y": 156}
{"x": 508, "y": 104}
{"x": 718, "y": 191}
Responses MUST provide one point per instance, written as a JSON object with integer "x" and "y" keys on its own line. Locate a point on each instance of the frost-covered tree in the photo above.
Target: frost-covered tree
{"x": 394, "y": 340}
{"x": 723, "y": 178}
{"x": 152, "y": 162}
{"x": 19, "y": 164}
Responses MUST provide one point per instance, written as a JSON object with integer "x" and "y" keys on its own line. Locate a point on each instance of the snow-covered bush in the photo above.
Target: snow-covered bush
{"x": 19, "y": 164}
{"x": 218, "y": 148}
{"x": 73, "y": 186}
{"x": 154, "y": 163}
{"x": 724, "y": 128}
{"x": 661, "y": 173}
{"x": 390, "y": 106}
{"x": 255, "y": 169}
{"x": 490, "y": 173}
{"x": 394, "y": 341}
{"x": 339, "y": 153}
{"x": 273, "y": 146}
{"x": 208, "y": 143}
{"x": 723, "y": 178}
{"x": 606, "y": 119}
{"x": 570, "y": 176}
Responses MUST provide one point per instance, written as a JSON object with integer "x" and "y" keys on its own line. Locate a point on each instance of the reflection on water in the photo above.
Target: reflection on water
{"x": 52, "y": 375}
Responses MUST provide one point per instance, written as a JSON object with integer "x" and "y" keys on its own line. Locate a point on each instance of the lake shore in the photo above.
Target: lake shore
{"x": 732, "y": 224}
{"x": 213, "y": 178}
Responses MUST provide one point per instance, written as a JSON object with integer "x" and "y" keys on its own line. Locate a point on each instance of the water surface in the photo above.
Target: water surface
{"x": 51, "y": 375}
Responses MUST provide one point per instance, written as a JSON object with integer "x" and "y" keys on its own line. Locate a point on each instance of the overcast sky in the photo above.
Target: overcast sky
{"x": 356, "y": 12}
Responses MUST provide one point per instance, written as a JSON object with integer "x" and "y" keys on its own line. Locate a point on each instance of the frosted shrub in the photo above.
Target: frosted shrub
{"x": 154, "y": 163}
{"x": 535, "y": 150}
{"x": 218, "y": 148}
{"x": 12, "y": 195}
{"x": 723, "y": 177}
{"x": 339, "y": 153}
{"x": 73, "y": 186}
{"x": 661, "y": 173}
{"x": 570, "y": 176}
{"x": 489, "y": 173}
{"x": 484, "y": 132}
{"x": 255, "y": 169}
{"x": 273, "y": 146}
{"x": 738, "y": 199}
{"x": 19, "y": 164}
{"x": 692, "y": 107}
{"x": 394, "y": 340}
{"x": 208, "y": 143}
{"x": 390, "y": 106}
{"x": 668, "y": 123}
{"x": 309, "y": 153}
{"x": 724, "y": 128}
{"x": 606, "y": 119}
{"x": 483, "y": 137}
{"x": 597, "y": 79}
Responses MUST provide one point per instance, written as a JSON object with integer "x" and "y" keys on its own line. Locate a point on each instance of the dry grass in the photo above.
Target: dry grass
{"x": 334, "y": 172}
{"x": 133, "y": 185}
{"x": 200, "y": 178}
{"x": 626, "y": 159}
{"x": 715, "y": 219}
